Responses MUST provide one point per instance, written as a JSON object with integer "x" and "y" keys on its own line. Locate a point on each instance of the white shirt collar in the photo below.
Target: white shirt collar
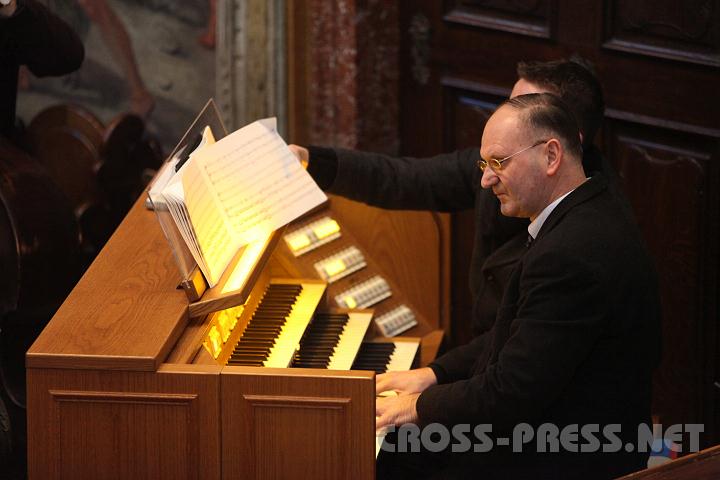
{"x": 536, "y": 225}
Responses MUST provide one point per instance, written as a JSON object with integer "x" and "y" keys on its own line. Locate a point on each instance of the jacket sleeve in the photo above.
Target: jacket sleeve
{"x": 458, "y": 363}
{"x": 557, "y": 320}
{"x": 35, "y": 37}
{"x": 447, "y": 182}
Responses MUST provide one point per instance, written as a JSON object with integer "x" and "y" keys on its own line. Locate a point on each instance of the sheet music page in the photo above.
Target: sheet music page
{"x": 213, "y": 231}
{"x": 174, "y": 200}
{"x": 256, "y": 181}
{"x": 211, "y": 248}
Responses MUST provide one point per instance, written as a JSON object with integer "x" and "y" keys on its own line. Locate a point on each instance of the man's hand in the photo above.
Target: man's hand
{"x": 411, "y": 381}
{"x": 395, "y": 410}
{"x": 301, "y": 153}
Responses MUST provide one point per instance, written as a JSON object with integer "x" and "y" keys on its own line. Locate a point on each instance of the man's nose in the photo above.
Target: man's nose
{"x": 489, "y": 178}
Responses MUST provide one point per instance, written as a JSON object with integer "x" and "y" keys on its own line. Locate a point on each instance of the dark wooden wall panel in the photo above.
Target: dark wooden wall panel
{"x": 688, "y": 31}
{"x": 668, "y": 177}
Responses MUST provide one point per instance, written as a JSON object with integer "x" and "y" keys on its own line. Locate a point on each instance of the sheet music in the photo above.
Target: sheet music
{"x": 237, "y": 191}
{"x": 256, "y": 182}
{"x": 211, "y": 230}
{"x": 211, "y": 250}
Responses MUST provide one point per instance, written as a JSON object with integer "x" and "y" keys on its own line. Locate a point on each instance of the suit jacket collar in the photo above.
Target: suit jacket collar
{"x": 592, "y": 187}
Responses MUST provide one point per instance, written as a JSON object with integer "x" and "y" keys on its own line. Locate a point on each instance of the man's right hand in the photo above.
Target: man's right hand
{"x": 407, "y": 382}
{"x": 301, "y": 153}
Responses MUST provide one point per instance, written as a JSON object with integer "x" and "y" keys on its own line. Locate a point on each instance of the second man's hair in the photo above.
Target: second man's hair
{"x": 549, "y": 114}
{"x": 576, "y": 84}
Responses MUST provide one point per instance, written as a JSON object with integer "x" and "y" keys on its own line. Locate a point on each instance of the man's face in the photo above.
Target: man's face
{"x": 518, "y": 184}
{"x": 523, "y": 87}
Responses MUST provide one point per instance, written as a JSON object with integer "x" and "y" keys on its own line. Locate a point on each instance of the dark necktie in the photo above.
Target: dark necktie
{"x": 529, "y": 241}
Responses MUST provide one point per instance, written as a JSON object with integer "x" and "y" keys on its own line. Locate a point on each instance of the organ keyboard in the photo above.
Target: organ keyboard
{"x": 390, "y": 356}
{"x": 277, "y": 325}
{"x": 123, "y": 366}
{"x": 333, "y": 340}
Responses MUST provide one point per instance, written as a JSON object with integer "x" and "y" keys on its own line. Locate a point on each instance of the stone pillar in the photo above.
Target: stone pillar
{"x": 348, "y": 78}
{"x": 251, "y": 62}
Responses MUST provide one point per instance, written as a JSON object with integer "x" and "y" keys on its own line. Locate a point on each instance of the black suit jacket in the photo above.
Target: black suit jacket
{"x": 575, "y": 340}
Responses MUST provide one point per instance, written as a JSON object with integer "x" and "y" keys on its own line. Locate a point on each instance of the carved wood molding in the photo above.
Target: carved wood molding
{"x": 121, "y": 397}
{"x": 684, "y": 31}
{"x": 251, "y": 62}
{"x": 533, "y": 18}
{"x": 661, "y": 123}
{"x": 290, "y": 401}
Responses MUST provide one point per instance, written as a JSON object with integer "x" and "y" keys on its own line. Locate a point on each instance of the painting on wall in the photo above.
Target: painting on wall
{"x": 154, "y": 58}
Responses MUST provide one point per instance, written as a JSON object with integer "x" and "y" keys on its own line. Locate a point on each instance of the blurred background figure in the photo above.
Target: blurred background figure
{"x": 117, "y": 39}
{"x": 33, "y": 36}
{"x": 38, "y": 232}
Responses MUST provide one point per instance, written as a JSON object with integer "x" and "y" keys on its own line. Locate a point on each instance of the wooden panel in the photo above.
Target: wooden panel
{"x": 703, "y": 465}
{"x": 686, "y": 31}
{"x": 533, "y": 18}
{"x": 96, "y": 423}
{"x": 125, "y": 313}
{"x": 671, "y": 182}
{"x": 287, "y": 424}
{"x": 119, "y": 425}
{"x": 277, "y": 423}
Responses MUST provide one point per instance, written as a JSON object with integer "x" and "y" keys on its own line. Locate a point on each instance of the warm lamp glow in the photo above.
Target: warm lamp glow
{"x": 248, "y": 259}
{"x": 334, "y": 267}
{"x": 326, "y": 228}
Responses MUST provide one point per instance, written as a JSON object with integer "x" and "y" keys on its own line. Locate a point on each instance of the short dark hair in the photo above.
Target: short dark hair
{"x": 575, "y": 82}
{"x": 548, "y": 113}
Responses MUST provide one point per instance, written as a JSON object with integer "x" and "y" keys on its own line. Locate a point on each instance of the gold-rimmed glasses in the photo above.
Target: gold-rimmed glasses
{"x": 497, "y": 163}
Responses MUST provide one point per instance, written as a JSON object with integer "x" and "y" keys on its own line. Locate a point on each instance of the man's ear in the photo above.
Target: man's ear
{"x": 554, "y": 153}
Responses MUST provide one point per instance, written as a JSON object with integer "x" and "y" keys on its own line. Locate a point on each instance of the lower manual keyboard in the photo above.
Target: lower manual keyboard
{"x": 332, "y": 340}
{"x": 382, "y": 357}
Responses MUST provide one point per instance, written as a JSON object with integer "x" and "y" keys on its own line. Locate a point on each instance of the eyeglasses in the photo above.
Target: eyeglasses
{"x": 497, "y": 163}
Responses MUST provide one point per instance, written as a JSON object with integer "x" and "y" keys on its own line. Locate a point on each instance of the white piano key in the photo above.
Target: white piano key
{"x": 403, "y": 356}
{"x": 350, "y": 341}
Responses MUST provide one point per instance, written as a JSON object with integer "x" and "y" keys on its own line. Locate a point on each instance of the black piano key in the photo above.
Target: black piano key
{"x": 245, "y": 363}
{"x": 257, "y": 342}
{"x": 374, "y": 356}
{"x": 249, "y": 358}
{"x": 312, "y": 365}
{"x": 264, "y": 328}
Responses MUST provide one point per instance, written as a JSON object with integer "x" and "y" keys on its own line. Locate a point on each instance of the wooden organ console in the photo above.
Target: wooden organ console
{"x": 129, "y": 381}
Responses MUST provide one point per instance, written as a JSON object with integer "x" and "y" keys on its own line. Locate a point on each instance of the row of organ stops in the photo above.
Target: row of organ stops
{"x": 265, "y": 325}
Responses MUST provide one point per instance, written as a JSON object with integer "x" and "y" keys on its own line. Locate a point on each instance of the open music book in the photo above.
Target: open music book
{"x": 229, "y": 193}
